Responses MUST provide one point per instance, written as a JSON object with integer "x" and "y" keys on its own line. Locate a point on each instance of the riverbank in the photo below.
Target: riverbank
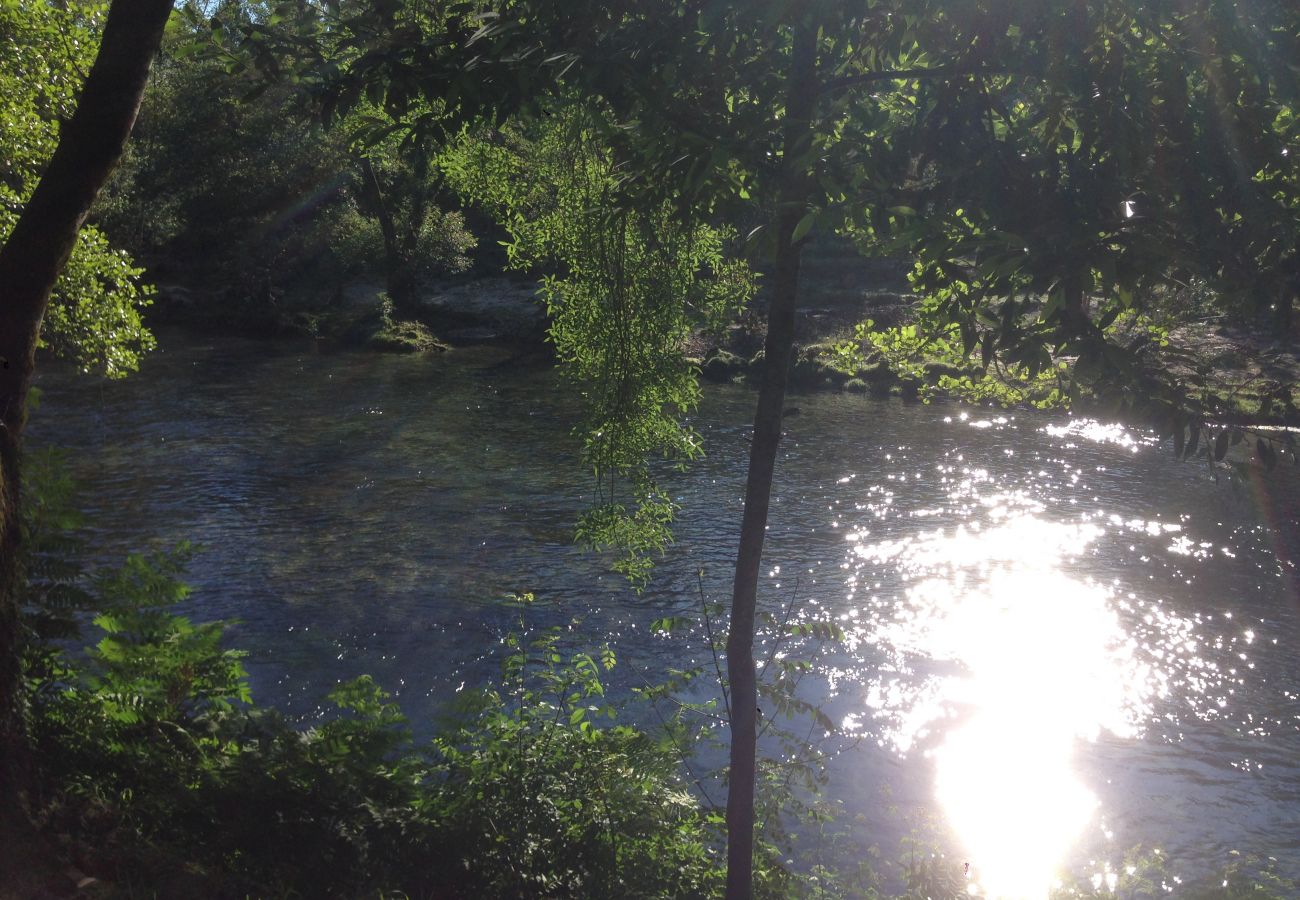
{"x": 460, "y": 311}
{"x": 1244, "y": 373}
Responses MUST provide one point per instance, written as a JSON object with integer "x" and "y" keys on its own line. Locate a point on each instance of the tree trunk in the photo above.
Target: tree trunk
{"x": 1284, "y": 312}
{"x": 741, "y": 673}
{"x": 1077, "y": 319}
{"x": 90, "y": 145}
{"x": 399, "y": 280}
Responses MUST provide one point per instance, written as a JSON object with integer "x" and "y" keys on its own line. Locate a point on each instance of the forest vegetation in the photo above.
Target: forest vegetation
{"x": 1088, "y": 205}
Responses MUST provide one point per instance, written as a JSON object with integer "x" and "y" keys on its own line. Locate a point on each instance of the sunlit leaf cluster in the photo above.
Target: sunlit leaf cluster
{"x": 625, "y": 287}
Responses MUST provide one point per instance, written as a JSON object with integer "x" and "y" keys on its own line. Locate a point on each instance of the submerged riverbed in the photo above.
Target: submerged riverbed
{"x": 1059, "y": 642}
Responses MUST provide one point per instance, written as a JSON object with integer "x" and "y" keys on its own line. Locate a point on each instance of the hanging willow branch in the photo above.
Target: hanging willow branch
{"x": 629, "y": 283}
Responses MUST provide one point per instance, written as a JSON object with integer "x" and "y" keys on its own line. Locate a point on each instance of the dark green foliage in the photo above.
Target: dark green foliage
{"x": 1107, "y": 168}
{"x": 53, "y": 595}
{"x": 232, "y": 186}
{"x": 380, "y": 331}
{"x": 530, "y": 791}
{"x": 253, "y": 205}
{"x": 542, "y": 795}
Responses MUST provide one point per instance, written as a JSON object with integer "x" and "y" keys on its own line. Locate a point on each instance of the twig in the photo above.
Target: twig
{"x": 681, "y": 752}
{"x": 780, "y": 633}
{"x": 713, "y": 644}
{"x": 837, "y": 84}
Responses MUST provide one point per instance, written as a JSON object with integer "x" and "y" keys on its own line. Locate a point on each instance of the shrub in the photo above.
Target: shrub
{"x": 157, "y": 769}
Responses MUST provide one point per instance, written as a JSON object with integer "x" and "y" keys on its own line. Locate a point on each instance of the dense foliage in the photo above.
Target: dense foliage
{"x": 268, "y": 216}
{"x": 1062, "y": 175}
{"x": 1105, "y": 159}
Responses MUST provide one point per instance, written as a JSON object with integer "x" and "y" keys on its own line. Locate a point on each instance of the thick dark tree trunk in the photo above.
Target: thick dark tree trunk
{"x": 762, "y": 462}
{"x": 30, "y": 261}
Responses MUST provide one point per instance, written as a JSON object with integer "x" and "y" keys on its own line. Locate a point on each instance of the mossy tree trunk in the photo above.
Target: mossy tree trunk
{"x": 90, "y": 145}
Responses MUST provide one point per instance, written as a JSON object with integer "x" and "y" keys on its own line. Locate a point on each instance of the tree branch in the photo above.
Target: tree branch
{"x": 848, "y": 81}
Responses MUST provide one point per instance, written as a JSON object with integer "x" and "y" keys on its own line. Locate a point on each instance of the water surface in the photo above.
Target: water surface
{"x": 1058, "y": 642}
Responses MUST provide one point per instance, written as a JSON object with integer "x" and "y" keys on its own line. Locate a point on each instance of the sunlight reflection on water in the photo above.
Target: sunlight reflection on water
{"x": 1041, "y": 661}
{"x": 1003, "y": 659}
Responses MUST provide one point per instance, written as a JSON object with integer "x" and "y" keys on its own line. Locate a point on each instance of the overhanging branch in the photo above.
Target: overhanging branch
{"x": 848, "y": 81}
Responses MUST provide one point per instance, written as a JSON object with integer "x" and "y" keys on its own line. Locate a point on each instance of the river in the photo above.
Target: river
{"x": 1059, "y": 642}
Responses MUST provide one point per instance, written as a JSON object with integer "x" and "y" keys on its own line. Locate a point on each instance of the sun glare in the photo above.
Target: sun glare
{"x": 1045, "y": 667}
{"x": 1042, "y": 662}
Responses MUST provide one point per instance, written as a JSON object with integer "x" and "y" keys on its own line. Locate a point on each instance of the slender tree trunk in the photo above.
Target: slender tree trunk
{"x": 400, "y": 283}
{"x": 30, "y": 261}
{"x": 1076, "y": 306}
{"x": 1284, "y": 313}
{"x": 741, "y": 673}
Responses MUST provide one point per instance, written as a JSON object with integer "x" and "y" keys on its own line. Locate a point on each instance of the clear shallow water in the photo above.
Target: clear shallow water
{"x": 1060, "y": 643}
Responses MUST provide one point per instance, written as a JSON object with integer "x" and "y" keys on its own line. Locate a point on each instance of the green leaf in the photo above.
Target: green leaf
{"x": 805, "y": 225}
{"x": 668, "y": 624}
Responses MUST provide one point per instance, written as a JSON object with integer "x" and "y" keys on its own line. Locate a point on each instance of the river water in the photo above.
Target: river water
{"x": 1059, "y": 642}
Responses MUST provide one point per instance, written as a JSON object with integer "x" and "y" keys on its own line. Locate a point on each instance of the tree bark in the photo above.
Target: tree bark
{"x": 90, "y": 145}
{"x": 741, "y": 673}
{"x": 399, "y": 280}
{"x": 1077, "y": 319}
{"x": 1284, "y": 312}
